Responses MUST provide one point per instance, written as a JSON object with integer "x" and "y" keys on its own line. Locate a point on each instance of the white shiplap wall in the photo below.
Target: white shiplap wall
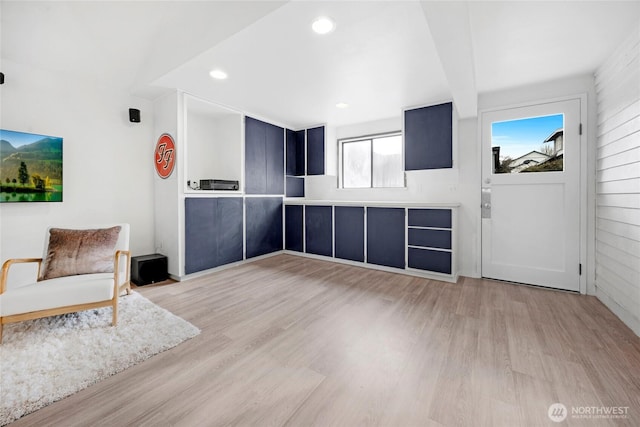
{"x": 617, "y": 248}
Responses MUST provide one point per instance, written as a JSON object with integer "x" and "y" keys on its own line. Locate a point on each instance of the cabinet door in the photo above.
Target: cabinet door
{"x": 295, "y": 153}
{"x": 385, "y": 237}
{"x": 349, "y": 232}
{"x": 428, "y": 137}
{"x": 255, "y": 165}
{"x": 293, "y": 215}
{"x": 427, "y": 259}
{"x": 318, "y": 230}
{"x": 229, "y": 229}
{"x": 291, "y": 152}
{"x": 274, "y": 146}
{"x": 315, "y": 151}
{"x": 438, "y": 218}
{"x": 295, "y": 186}
{"x": 301, "y": 169}
{"x": 200, "y": 234}
{"x": 264, "y": 225}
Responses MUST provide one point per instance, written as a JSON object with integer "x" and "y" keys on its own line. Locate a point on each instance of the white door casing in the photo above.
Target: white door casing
{"x": 531, "y": 224}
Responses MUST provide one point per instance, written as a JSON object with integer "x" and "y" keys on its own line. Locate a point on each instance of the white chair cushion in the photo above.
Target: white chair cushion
{"x": 59, "y": 292}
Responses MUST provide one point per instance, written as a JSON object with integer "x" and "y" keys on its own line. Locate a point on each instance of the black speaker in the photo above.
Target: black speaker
{"x": 1, "y": 78}
{"x": 147, "y": 269}
{"x": 134, "y": 115}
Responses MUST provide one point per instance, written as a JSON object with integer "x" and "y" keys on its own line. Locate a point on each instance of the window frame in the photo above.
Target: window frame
{"x": 368, "y": 137}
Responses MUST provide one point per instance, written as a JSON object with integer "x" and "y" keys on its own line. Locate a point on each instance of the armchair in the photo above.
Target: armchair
{"x": 81, "y": 269}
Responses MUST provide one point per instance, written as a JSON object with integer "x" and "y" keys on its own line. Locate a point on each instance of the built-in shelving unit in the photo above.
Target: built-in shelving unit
{"x": 212, "y": 143}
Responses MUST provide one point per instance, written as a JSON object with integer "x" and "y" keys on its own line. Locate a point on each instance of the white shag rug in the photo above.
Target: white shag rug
{"x": 45, "y": 360}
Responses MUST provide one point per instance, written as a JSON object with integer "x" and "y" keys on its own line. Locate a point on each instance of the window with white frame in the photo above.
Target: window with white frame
{"x": 372, "y": 161}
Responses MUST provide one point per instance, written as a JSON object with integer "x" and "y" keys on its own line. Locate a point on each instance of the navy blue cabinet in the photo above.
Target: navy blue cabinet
{"x": 295, "y": 186}
{"x": 349, "y": 232}
{"x": 213, "y": 232}
{"x": 229, "y": 229}
{"x": 264, "y": 157}
{"x": 385, "y": 237}
{"x": 263, "y": 225}
{"x": 418, "y": 240}
{"x": 255, "y": 148}
{"x": 315, "y": 151}
{"x": 430, "y": 240}
{"x": 319, "y": 230}
{"x": 295, "y": 153}
{"x": 293, "y": 229}
{"x": 428, "y": 137}
{"x": 427, "y": 259}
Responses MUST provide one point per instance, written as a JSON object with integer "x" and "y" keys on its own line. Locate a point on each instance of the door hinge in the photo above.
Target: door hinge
{"x": 580, "y": 269}
{"x": 580, "y": 129}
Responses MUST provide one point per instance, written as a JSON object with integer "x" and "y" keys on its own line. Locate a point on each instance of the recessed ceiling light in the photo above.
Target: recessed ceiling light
{"x": 342, "y": 105}
{"x": 323, "y": 25}
{"x": 218, "y": 74}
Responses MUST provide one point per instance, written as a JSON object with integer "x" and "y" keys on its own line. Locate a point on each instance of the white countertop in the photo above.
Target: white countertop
{"x": 400, "y": 204}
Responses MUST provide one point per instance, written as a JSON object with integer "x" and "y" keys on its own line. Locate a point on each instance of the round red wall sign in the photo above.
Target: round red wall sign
{"x": 165, "y": 155}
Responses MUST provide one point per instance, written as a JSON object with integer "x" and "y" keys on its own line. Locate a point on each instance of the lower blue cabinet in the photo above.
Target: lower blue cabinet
{"x": 408, "y": 239}
{"x": 319, "y": 230}
{"x": 349, "y": 233}
{"x": 293, "y": 228}
{"x": 213, "y": 232}
{"x": 264, "y": 225}
{"x": 431, "y": 260}
{"x": 385, "y": 237}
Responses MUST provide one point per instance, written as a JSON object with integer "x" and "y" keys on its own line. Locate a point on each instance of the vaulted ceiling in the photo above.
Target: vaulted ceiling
{"x": 382, "y": 56}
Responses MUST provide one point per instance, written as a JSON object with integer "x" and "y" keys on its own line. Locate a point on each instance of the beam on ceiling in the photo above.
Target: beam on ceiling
{"x": 451, "y": 32}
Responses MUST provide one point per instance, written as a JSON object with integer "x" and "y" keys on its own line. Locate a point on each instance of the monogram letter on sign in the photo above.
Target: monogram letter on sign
{"x": 165, "y": 155}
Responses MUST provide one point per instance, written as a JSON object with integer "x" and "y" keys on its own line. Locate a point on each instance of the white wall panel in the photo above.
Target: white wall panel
{"x": 617, "y": 256}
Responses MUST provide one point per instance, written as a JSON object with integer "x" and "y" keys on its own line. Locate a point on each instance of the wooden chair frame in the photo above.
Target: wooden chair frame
{"x": 70, "y": 308}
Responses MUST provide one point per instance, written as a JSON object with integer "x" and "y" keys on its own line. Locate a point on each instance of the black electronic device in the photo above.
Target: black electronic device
{"x": 134, "y": 115}
{"x": 147, "y": 269}
{"x": 219, "y": 184}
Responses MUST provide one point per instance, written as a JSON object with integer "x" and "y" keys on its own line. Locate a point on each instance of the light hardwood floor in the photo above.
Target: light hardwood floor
{"x": 296, "y": 342}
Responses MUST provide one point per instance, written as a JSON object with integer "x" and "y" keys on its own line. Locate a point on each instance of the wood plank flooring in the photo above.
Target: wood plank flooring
{"x": 290, "y": 341}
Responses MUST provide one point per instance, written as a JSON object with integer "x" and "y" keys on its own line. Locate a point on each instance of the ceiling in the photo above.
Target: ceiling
{"x": 382, "y": 56}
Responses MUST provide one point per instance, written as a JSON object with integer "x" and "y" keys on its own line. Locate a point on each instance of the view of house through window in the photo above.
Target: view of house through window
{"x": 372, "y": 162}
{"x": 532, "y": 144}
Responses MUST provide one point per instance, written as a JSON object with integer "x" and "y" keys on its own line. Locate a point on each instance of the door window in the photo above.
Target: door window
{"x": 533, "y": 144}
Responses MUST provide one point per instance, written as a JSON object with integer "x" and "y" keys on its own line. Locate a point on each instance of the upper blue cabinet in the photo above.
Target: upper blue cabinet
{"x": 264, "y": 157}
{"x": 428, "y": 137}
{"x": 295, "y": 153}
{"x": 315, "y": 151}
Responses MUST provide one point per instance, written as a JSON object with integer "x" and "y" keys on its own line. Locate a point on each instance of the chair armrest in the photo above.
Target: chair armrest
{"x": 8, "y": 263}
{"x": 116, "y": 267}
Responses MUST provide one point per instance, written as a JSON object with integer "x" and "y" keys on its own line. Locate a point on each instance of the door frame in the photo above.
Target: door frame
{"x": 583, "y": 176}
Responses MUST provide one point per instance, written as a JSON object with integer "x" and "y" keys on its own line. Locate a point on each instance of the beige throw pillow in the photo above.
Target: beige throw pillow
{"x": 72, "y": 252}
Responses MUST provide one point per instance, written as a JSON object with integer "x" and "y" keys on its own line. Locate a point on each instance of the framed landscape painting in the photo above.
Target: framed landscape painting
{"x": 30, "y": 167}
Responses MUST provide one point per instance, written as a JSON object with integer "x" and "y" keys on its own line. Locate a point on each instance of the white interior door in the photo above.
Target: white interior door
{"x": 531, "y": 194}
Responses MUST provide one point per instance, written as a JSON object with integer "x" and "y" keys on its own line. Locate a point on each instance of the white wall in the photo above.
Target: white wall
{"x": 214, "y": 146}
{"x": 200, "y": 133}
{"x": 107, "y": 169}
{"x": 617, "y": 252}
{"x": 168, "y": 202}
{"x": 227, "y": 157}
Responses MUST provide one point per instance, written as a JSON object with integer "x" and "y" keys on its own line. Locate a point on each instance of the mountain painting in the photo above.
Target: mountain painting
{"x": 30, "y": 167}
